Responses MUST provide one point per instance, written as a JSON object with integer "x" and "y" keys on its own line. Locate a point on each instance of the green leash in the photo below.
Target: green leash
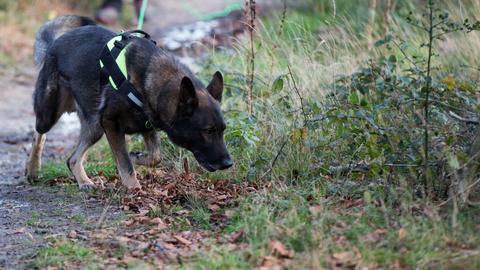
{"x": 231, "y": 6}
{"x": 141, "y": 15}
{"x": 204, "y": 17}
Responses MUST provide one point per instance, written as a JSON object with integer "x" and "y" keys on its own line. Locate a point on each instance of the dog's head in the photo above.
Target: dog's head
{"x": 198, "y": 124}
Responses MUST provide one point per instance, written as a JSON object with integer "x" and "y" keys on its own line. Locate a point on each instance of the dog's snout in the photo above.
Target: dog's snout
{"x": 227, "y": 163}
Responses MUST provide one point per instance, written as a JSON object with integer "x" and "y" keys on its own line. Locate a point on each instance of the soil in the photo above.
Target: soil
{"x": 29, "y": 213}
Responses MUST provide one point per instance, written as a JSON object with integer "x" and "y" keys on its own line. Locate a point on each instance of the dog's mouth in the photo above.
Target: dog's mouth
{"x": 201, "y": 159}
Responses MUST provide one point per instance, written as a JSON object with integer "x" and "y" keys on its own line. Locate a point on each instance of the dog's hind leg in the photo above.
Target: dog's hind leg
{"x": 152, "y": 157}
{"x": 46, "y": 100}
{"x": 35, "y": 160}
{"x": 90, "y": 133}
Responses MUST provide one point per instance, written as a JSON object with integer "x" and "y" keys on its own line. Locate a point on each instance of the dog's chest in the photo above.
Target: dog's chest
{"x": 127, "y": 118}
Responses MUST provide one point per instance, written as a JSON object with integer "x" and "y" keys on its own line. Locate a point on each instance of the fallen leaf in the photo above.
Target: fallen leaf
{"x": 345, "y": 259}
{"x": 228, "y": 213}
{"x": 21, "y": 230}
{"x": 344, "y": 256}
{"x": 127, "y": 259}
{"x": 182, "y": 240}
{"x": 222, "y": 197}
{"x": 315, "y": 209}
{"x": 280, "y": 250}
{"x": 213, "y": 207}
{"x": 168, "y": 246}
{"x": 72, "y": 234}
{"x": 236, "y": 236}
{"x": 402, "y": 233}
{"x": 400, "y": 265}
{"x": 269, "y": 261}
{"x": 156, "y": 221}
{"x": 375, "y": 236}
{"x": 128, "y": 223}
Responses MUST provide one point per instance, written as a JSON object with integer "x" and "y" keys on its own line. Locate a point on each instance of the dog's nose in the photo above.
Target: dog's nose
{"x": 227, "y": 163}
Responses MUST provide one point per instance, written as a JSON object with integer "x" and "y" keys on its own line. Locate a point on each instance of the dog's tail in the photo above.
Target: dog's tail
{"x": 54, "y": 29}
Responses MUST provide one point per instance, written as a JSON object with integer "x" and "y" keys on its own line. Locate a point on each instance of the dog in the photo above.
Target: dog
{"x": 67, "y": 51}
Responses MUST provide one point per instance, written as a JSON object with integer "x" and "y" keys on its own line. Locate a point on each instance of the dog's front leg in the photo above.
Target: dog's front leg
{"x": 117, "y": 142}
{"x": 152, "y": 157}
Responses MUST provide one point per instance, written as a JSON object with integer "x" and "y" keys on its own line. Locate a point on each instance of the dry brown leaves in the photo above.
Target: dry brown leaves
{"x": 144, "y": 244}
{"x": 280, "y": 257}
{"x": 160, "y": 188}
{"x": 144, "y": 235}
{"x": 375, "y": 236}
{"x": 344, "y": 260}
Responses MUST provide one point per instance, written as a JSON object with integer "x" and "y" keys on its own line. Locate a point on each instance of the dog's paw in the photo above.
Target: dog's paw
{"x": 31, "y": 176}
{"x": 31, "y": 179}
{"x": 87, "y": 187}
{"x": 143, "y": 159}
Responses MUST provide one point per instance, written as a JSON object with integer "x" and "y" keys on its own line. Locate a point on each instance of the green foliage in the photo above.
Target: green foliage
{"x": 316, "y": 128}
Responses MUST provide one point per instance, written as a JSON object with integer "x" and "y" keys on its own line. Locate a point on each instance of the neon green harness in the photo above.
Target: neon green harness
{"x": 113, "y": 64}
{"x": 120, "y": 60}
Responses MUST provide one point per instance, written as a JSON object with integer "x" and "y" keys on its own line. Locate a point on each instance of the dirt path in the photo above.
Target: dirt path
{"x": 28, "y": 213}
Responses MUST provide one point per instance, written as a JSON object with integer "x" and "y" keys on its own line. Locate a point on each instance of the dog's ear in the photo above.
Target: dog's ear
{"x": 187, "y": 100}
{"x": 215, "y": 87}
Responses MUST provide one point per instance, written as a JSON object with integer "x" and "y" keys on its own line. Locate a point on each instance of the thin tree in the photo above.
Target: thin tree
{"x": 372, "y": 6}
{"x": 251, "y": 14}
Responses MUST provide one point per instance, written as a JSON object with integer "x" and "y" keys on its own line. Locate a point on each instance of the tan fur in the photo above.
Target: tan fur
{"x": 35, "y": 160}
{"x": 152, "y": 158}
{"x": 76, "y": 165}
{"x": 128, "y": 180}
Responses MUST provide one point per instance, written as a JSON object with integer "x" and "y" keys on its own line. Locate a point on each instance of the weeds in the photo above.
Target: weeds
{"x": 65, "y": 251}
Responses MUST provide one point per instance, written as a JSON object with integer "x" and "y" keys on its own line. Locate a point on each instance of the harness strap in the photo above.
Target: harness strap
{"x": 113, "y": 66}
{"x": 121, "y": 83}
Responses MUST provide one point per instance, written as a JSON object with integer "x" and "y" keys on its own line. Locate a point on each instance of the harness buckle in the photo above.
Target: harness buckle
{"x": 119, "y": 44}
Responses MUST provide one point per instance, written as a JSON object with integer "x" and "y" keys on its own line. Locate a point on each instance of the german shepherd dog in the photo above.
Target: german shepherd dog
{"x": 67, "y": 50}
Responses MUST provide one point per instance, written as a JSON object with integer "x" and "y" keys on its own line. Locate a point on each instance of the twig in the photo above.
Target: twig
{"x": 297, "y": 91}
{"x": 251, "y": 72}
{"x": 428, "y": 87}
{"x": 365, "y": 167}
{"x": 284, "y": 16}
{"x": 432, "y": 264}
{"x": 334, "y": 4}
{"x": 280, "y": 151}
{"x": 459, "y": 118}
{"x": 461, "y": 192}
{"x": 276, "y": 157}
{"x": 186, "y": 168}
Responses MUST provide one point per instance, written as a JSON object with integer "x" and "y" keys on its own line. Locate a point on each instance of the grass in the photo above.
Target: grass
{"x": 66, "y": 255}
{"x": 99, "y": 162}
{"x": 377, "y": 217}
{"x": 34, "y": 219}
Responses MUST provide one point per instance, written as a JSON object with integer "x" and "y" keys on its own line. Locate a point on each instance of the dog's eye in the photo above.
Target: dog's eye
{"x": 210, "y": 130}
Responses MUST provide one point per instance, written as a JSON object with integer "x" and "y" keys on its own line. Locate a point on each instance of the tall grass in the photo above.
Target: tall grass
{"x": 299, "y": 69}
